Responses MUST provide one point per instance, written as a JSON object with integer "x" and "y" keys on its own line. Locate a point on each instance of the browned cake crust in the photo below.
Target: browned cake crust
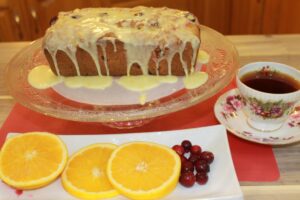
{"x": 117, "y": 62}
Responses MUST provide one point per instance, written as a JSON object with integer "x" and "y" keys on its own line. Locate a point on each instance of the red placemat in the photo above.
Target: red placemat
{"x": 253, "y": 162}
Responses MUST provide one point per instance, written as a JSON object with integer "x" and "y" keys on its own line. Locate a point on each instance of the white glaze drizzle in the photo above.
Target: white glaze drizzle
{"x": 203, "y": 57}
{"x": 142, "y": 83}
{"x": 195, "y": 49}
{"x": 103, "y": 47}
{"x": 113, "y": 41}
{"x": 141, "y": 29}
{"x": 93, "y": 51}
{"x": 195, "y": 79}
{"x": 42, "y": 77}
{"x": 72, "y": 56}
{"x": 183, "y": 62}
{"x": 157, "y": 61}
{"x": 140, "y": 55}
{"x": 143, "y": 98}
{"x": 90, "y": 82}
{"x": 169, "y": 61}
{"x": 53, "y": 55}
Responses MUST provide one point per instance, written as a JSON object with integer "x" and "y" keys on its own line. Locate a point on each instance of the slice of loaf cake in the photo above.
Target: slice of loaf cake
{"x": 122, "y": 41}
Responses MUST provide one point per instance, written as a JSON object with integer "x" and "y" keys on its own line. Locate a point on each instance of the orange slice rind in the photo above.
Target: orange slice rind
{"x": 32, "y": 160}
{"x": 85, "y": 174}
{"x": 144, "y": 170}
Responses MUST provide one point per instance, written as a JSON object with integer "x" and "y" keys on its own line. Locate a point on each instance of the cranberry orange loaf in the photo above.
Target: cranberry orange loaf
{"x": 122, "y": 41}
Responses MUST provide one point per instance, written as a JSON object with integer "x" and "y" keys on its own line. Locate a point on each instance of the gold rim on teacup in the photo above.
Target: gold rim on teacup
{"x": 267, "y": 111}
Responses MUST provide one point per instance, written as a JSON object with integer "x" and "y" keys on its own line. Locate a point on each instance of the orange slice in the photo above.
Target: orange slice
{"x": 32, "y": 160}
{"x": 85, "y": 174}
{"x": 143, "y": 170}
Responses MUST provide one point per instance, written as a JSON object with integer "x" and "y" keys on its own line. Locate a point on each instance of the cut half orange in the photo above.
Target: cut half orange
{"x": 144, "y": 170}
{"x": 85, "y": 174}
{"x": 32, "y": 160}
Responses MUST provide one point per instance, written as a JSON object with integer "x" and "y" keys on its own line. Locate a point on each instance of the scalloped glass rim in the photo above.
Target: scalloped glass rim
{"x": 221, "y": 68}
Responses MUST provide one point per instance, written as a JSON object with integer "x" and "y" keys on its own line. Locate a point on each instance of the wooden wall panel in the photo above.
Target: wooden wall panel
{"x": 281, "y": 16}
{"x": 8, "y": 28}
{"x": 246, "y": 16}
{"x": 19, "y": 15}
{"x": 213, "y": 13}
{"x": 3, "y": 3}
{"x": 14, "y": 21}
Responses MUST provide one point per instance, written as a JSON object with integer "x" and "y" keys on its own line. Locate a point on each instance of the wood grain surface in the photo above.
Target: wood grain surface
{"x": 277, "y": 48}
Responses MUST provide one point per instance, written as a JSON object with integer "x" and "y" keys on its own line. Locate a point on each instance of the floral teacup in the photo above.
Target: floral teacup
{"x": 267, "y": 111}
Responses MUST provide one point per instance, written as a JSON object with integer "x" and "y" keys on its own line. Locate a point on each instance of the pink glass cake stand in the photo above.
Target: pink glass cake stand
{"x": 221, "y": 68}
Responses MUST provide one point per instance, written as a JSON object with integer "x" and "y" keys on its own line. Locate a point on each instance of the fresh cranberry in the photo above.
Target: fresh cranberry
{"x": 186, "y": 144}
{"x": 194, "y": 157}
{"x": 19, "y": 192}
{"x": 187, "y": 167}
{"x": 178, "y": 149}
{"x": 183, "y": 159}
{"x": 208, "y": 156}
{"x": 201, "y": 178}
{"x": 139, "y": 14}
{"x": 53, "y": 20}
{"x": 196, "y": 149}
{"x": 187, "y": 179}
{"x": 76, "y": 16}
{"x": 202, "y": 166}
{"x": 103, "y": 14}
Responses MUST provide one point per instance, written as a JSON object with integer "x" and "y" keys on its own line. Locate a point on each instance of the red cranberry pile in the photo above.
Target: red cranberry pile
{"x": 193, "y": 159}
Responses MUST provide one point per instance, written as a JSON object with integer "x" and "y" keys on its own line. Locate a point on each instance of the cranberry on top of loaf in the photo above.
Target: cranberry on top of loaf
{"x": 122, "y": 41}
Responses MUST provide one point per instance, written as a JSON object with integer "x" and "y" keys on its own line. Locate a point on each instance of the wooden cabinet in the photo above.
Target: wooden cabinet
{"x": 213, "y": 13}
{"x": 28, "y": 19}
{"x": 281, "y": 16}
{"x": 9, "y": 29}
{"x": 13, "y": 25}
{"x": 265, "y": 16}
{"x": 246, "y": 16}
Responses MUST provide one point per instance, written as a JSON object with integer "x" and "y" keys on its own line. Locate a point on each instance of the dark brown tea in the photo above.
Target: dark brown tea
{"x": 272, "y": 82}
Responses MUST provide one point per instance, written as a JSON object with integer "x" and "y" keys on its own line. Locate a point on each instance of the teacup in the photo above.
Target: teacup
{"x": 267, "y": 111}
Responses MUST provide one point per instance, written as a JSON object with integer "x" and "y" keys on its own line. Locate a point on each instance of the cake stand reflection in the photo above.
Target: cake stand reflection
{"x": 221, "y": 68}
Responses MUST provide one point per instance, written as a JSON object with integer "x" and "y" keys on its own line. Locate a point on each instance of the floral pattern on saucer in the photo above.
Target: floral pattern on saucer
{"x": 294, "y": 120}
{"x": 268, "y": 110}
{"x": 229, "y": 112}
{"x": 232, "y": 104}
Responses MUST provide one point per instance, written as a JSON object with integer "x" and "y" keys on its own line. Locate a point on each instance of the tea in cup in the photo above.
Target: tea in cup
{"x": 270, "y": 90}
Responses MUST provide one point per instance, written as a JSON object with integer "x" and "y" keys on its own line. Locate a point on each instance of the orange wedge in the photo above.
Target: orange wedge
{"x": 32, "y": 160}
{"x": 85, "y": 174}
{"x": 143, "y": 170}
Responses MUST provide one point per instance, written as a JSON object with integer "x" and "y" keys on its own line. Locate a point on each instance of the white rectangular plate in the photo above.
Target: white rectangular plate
{"x": 222, "y": 183}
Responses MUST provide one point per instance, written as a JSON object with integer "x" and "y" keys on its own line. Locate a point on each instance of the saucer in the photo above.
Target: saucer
{"x": 228, "y": 111}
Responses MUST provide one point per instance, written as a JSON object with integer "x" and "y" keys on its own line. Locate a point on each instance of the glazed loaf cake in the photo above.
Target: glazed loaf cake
{"x": 122, "y": 41}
